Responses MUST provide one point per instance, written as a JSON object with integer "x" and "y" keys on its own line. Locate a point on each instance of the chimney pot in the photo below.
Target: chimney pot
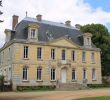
{"x": 39, "y": 17}
{"x": 68, "y": 23}
{"x": 15, "y": 21}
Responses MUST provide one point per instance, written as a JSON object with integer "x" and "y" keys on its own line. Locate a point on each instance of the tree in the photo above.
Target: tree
{"x": 101, "y": 38}
{"x": 1, "y": 11}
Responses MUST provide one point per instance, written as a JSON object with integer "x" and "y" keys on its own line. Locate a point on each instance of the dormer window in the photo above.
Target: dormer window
{"x": 33, "y": 32}
{"x": 87, "y": 39}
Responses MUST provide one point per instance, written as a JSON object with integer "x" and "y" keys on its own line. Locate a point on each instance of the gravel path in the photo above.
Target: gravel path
{"x": 54, "y": 95}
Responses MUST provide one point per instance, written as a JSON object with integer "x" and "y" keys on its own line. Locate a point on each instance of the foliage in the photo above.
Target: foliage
{"x": 98, "y": 85}
{"x": 101, "y": 38}
{"x": 35, "y": 88}
{"x": 1, "y": 78}
{"x": 96, "y": 98}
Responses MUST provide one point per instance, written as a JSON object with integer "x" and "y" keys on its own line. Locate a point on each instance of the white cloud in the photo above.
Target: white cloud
{"x": 55, "y": 10}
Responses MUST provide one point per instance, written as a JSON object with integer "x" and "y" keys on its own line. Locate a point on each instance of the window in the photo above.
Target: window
{"x": 39, "y": 53}
{"x": 25, "y": 73}
{"x": 93, "y": 74}
{"x": 53, "y": 54}
{"x": 83, "y": 56}
{"x": 84, "y": 74}
{"x": 25, "y": 51}
{"x": 53, "y": 74}
{"x": 93, "y": 57}
{"x": 73, "y": 55}
{"x": 9, "y": 53}
{"x": 33, "y": 33}
{"x": 39, "y": 73}
{"x": 73, "y": 74}
{"x": 63, "y": 54}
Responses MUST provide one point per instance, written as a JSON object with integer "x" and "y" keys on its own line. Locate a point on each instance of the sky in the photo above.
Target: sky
{"x": 78, "y": 11}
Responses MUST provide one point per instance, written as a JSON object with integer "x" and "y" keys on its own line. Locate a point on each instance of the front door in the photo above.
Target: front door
{"x": 63, "y": 75}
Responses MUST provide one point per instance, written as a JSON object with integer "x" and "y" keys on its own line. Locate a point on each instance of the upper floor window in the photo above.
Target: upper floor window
{"x": 33, "y": 33}
{"x": 93, "y": 74}
{"x": 63, "y": 54}
{"x": 84, "y": 74}
{"x": 39, "y": 73}
{"x": 53, "y": 54}
{"x": 39, "y": 53}
{"x": 53, "y": 75}
{"x": 73, "y": 74}
{"x": 25, "y": 51}
{"x": 93, "y": 57}
{"x": 25, "y": 73}
{"x": 83, "y": 56}
{"x": 73, "y": 55}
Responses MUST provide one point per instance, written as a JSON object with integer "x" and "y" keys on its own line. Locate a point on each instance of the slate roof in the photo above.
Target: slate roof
{"x": 56, "y": 30}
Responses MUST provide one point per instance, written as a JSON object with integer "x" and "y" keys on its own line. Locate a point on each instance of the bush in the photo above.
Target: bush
{"x": 98, "y": 85}
{"x": 35, "y": 88}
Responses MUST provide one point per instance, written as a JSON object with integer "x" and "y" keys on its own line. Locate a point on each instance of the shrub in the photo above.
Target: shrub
{"x": 98, "y": 85}
{"x": 35, "y": 88}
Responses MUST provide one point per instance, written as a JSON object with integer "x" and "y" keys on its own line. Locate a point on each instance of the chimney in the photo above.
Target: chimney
{"x": 15, "y": 21}
{"x": 39, "y": 17}
{"x": 68, "y": 23}
{"x": 78, "y": 26}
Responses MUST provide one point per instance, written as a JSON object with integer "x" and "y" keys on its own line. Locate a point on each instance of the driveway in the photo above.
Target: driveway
{"x": 54, "y": 95}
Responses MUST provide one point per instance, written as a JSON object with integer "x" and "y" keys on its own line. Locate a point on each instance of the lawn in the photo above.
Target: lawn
{"x": 96, "y": 98}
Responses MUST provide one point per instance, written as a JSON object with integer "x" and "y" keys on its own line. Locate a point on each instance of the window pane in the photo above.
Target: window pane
{"x": 24, "y": 73}
{"x": 73, "y": 55}
{"x": 63, "y": 54}
{"x": 39, "y": 53}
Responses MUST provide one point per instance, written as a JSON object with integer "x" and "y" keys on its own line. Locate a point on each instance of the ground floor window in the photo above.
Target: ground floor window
{"x": 53, "y": 76}
{"x": 93, "y": 74}
{"x": 39, "y": 73}
{"x": 25, "y": 73}
{"x": 84, "y": 74}
{"x": 73, "y": 74}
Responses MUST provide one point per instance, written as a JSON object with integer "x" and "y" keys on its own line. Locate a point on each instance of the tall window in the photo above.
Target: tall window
{"x": 73, "y": 55}
{"x": 39, "y": 73}
{"x": 39, "y": 53}
{"x": 53, "y": 74}
{"x": 63, "y": 54}
{"x": 25, "y": 51}
{"x": 73, "y": 74}
{"x": 53, "y": 54}
{"x": 93, "y": 74}
{"x": 25, "y": 73}
{"x": 84, "y": 74}
{"x": 93, "y": 57}
{"x": 83, "y": 56}
{"x": 33, "y": 33}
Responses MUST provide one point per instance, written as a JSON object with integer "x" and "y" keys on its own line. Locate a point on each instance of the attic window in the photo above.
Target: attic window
{"x": 33, "y": 33}
{"x": 49, "y": 35}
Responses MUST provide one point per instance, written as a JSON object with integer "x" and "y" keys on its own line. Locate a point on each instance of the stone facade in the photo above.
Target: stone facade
{"x": 12, "y": 62}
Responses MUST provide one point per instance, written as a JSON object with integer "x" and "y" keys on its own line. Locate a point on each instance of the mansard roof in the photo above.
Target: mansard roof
{"x": 56, "y": 30}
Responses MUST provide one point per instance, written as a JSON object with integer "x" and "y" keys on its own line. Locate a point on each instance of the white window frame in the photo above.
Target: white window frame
{"x": 93, "y": 74}
{"x": 83, "y": 56}
{"x": 51, "y": 74}
{"x": 33, "y": 33}
{"x": 39, "y": 57}
{"x": 84, "y": 74}
{"x": 72, "y": 55}
{"x": 64, "y": 54}
{"x": 39, "y": 79}
{"x": 25, "y": 53}
{"x": 26, "y": 74}
{"x": 74, "y": 79}
{"x": 93, "y": 57}
{"x": 53, "y": 54}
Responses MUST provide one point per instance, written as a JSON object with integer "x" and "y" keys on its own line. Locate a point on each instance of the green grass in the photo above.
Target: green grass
{"x": 96, "y": 98}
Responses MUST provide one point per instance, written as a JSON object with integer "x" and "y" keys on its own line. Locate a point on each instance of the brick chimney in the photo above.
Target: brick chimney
{"x": 14, "y": 21}
{"x": 39, "y": 17}
{"x": 68, "y": 23}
